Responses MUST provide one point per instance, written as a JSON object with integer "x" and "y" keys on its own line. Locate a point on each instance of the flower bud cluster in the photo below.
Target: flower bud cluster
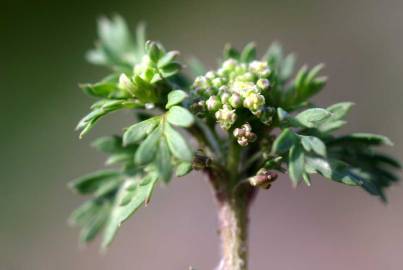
{"x": 263, "y": 179}
{"x": 244, "y": 134}
{"x": 234, "y": 85}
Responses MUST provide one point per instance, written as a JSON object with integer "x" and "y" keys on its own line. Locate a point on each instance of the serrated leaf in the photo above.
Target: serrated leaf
{"x": 175, "y": 97}
{"x": 90, "y": 183}
{"x": 284, "y": 141}
{"x": 311, "y": 143}
{"x": 296, "y": 163}
{"x": 148, "y": 148}
{"x": 177, "y": 144}
{"x": 312, "y": 117}
{"x": 140, "y": 194}
{"x": 183, "y": 169}
{"x": 180, "y": 116}
{"x": 138, "y": 131}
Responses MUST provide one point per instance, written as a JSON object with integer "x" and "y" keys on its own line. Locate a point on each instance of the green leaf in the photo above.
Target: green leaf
{"x": 91, "y": 216}
{"x": 296, "y": 163}
{"x": 148, "y": 148}
{"x": 138, "y": 193}
{"x": 109, "y": 144}
{"x": 330, "y": 126}
{"x": 100, "y": 110}
{"x": 307, "y": 179}
{"x": 331, "y": 169}
{"x": 311, "y": 143}
{"x": 154, "y": 51}
{"x": 230, "y": 52}
{"x": 287, "y": 67}
{"x": 196, "y": 66}
{"x": 90, "y": 183}
{"x": 103, "y": 89}
{"x": 364, "y": 138}
{"x": 167, "y": 58}
{"x": 115, "y": 47}
{"x": 177, "y": 144}
{"x": 175, "y": 97}
{"x": 119, "y": 158}
{"x": 94, "y": 226}
{"x": 163, "y": 161}
{"x": 274, "y": 55}
{"x": 248, "y": 53}
{"x": 183, "y": 169}
{"x": 138, "y": 131}
{"x": 312, "y": 117}
{"x": 284, "y": 141}
{"x": 180, "y": 116}
{"x": 144, "y": 90}
{"x": 340, "y": 110}
{"x": 170, "y": 69}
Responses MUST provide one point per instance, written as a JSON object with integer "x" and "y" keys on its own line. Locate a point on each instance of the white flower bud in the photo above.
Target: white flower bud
{"x": 210, "y": 75}
{"x": 235, "y": 100}
{"x": 213, "y": 103}
{"x": 201, "y": 82}
{"x": 263, "y": 84}
{"x": 229, "y": 64}
{"x": 217, "y": 82}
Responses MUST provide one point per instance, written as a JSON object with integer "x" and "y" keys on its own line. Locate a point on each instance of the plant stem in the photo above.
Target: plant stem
{"x": 233, "y": 228}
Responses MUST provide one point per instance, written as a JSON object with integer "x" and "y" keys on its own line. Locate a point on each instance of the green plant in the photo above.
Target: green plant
{"x": 250, "y": 119}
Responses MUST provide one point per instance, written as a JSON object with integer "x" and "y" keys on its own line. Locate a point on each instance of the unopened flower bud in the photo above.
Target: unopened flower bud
{"x": 225, "y": 97}
{"x": 246, "y": 77}
{"x": 259, "y": 68}
{"x": 253, "y": 101}
{"x": 244, "y": 135}
{"x": 217, "y": 82}
{"x": 229, "y": 64}
{"x": 235, "y": 100}
{"x": 210, "y": 75}
{"x": 213, "y": 103}
{"x": 226, "y": 117}
{"x": 263, "y": 179}
{"x": 201, "y": 82}
{"x": 263, "y": 84}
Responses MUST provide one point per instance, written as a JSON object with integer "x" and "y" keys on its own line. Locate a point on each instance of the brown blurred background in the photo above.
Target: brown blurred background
{"x": 328, "y": 226}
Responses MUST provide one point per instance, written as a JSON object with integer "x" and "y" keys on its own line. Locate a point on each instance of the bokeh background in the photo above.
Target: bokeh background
{"x": 327, "y": 226}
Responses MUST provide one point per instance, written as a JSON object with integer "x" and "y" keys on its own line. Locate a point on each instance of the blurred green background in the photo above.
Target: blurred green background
{"x": 328, "y": 226}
